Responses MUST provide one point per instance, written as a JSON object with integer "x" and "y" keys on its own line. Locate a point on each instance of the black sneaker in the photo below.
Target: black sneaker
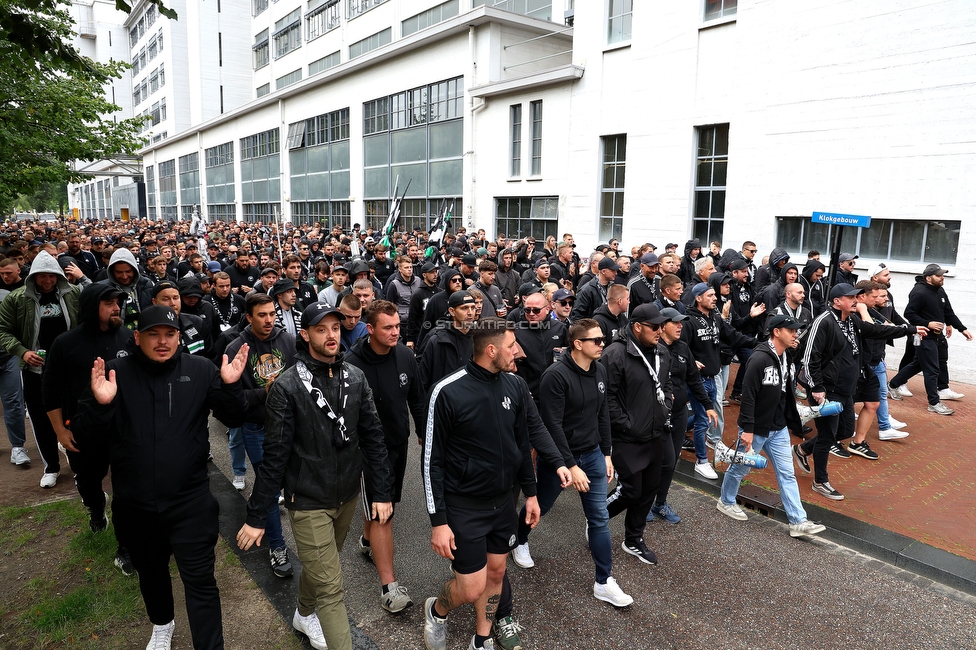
{"x": 688, "y": 445}
{"x": 124, "y": 562}
{"x": 98, "y": 521}
{"x": 279, "y": 562}
{"x": 736, "y": 397}
{"x": 801, "y": 459}
{"x": 828, "y": 491}
{"x": 862, "y": 449}
{"x": 838, "y": 449}
{"x": 639, "y": 550}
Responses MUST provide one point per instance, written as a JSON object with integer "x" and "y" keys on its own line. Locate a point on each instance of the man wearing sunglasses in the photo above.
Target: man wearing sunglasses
{"x": 644, "y": 286}
{"x": 562, "y": 305}
{"x": 639, "y": 397}
{"x": 450, "y": 281}
{"x": 539, "y": 337}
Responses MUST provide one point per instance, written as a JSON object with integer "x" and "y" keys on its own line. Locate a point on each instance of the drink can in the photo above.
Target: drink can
{"x": 917, "y": 340}
{"x": 42, "y": 354}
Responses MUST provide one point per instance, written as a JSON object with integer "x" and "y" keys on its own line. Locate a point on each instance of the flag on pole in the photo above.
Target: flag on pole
{"x": 440, "y": 226}
{"x": 391, "y": 221}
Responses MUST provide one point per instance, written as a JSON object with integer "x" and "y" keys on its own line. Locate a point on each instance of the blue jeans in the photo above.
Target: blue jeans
{"x": 235, "y": 442}
{"x": 721, "y": 383}
{"x": 254, "y": 444}
{"x": 701, "y": 418}
{"x": 594, "y": 464}
{"x": 777, "y": 446}
{"x": 881, "y": 370}
{"x": 12, "y": 397}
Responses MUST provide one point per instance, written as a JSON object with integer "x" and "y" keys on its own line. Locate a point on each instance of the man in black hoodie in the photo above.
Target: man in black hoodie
{"x": 612, "y": 317}
{"x": 448, "y": 347}
{"x": 418, "y": 303}
{"x": 814, "y": 286}
{"x": 392, "y": 373}
{"x": 99, "y": 334}
{"x": 929, "y": 306}
{"x": 845, "y": 269}
{"x": 687, "y": 269}
{"x": 767, "y": 409}
{"x": 270, "y": 351}
{"x": 539, "y": 336}
{"x": 571, "y": 393}
{"x": 769, "y": 273}
{"x": 450, "y": 281}
{"x": 152, "y": 407}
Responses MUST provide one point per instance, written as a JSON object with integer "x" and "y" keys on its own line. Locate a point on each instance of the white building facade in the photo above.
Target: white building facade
{"x": 717, "y": 119}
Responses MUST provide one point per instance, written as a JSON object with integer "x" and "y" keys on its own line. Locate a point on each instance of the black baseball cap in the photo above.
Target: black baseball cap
{"x": 316, "y": 312}
{"x": 158, "y": 315}
{"x": 459, "y": 298}
{"x": 161, "y": 286}
{"x": 844, "y": 289}
{"x": 648, "y": 313}
{"x": 191, "y": 287}
{"x": 783, "y": 321}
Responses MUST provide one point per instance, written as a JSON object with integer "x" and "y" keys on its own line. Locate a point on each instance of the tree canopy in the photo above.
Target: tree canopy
{"x": 53, "y": 108}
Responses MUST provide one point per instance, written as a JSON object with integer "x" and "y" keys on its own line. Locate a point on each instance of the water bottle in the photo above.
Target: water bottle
{"x": 725, "y": 455}
{"x": 917, "y": 340}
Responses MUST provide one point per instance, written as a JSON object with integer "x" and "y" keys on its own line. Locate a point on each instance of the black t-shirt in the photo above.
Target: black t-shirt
{"x": 52, "y": 320}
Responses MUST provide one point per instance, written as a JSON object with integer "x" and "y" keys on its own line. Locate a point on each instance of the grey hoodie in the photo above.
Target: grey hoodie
{"x": 138, "y": 294}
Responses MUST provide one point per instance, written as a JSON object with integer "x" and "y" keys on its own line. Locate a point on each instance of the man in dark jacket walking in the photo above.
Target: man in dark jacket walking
{"x": 449, "y": 346}
{"x": 392, "y": 373}
{"x": 422, "y": 294}
{"x": 270, "y": 351}
{"x": 766, "y": 410}
{"x": 929, "y": 306}
{"x": 639, "y": 395}
{"x": 769, "y": 273}
{"x": 322, "y": 435}
{"x": 152, "y": 406}
{"x": 571, "y": 393}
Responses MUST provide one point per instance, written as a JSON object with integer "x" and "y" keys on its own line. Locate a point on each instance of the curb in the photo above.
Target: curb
{"x": 895, "y": 549}
{"x": 281, "y": 593}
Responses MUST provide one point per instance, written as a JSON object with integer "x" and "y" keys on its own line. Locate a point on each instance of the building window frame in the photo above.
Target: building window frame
{"x": 612, "y": 186}
{"x": 356, "y": 8}
{"x": 527, "y": 216}
{"x": 287, "y": 36}
{"x": 718, "y": 9}
{"x": 535, "y": 115}
{"x": 515, "y": 140}
{"x": 261, "y": 50}
{"x": 711, "y": 175}
{"x": 620, "y": 16}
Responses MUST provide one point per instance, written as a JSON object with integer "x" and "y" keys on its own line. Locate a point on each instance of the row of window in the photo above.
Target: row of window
{"x": 620, "y": 16}
{"x": 515, "y": 149}
{"x": 147, "y": 53}
{"x": 149, "y": 85}
{"x": 147, "y": 20}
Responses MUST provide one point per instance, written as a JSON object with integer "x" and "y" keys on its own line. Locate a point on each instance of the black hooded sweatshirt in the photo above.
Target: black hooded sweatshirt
{"x": 436, "y": 308}
{"x": 69, "y": 361}
{"x": 569, "y": 398}
{"x": 395, "y": 380}
{"x": 816, "y": 292}
{"x": 443, "y": 352}
{"x": 687, "y": 269}
{"x": 768, "y": 273}
{"x": 265, "y": 361}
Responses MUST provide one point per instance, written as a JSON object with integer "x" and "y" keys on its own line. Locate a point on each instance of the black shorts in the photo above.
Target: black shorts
{"x": 868, "y": 389}
{"x": 479, "y": 532}
{"x": 398, "y": 461}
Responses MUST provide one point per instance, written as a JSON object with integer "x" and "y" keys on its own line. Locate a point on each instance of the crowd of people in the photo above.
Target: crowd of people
{"x": 317, "y": 347}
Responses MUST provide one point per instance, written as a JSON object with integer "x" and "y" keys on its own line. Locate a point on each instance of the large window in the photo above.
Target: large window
{"x": 720, "y": 8}
{"x": 541, "y": 9}
{"x": 416, "y": 136}
{"x": 619, "y": 20}
{"x": 515, "y": 149}
{"x": 535, "y": 109}
{"x": 151, "y": 191}
{"x": 357, "y": 7}
{"x": 167, "y": 189}
{"x": 370, "y": 43}
{"x": 260, "y": 176}
{"x": 288, "y": 33}
{"x": 219, "y": 162}
{"x": 261, "y": 50}
{"x": 612, "y": 190}
{"x": 321, "y": 19}
{"x": 519, "y": 217}
{"x": 894, "y": 240}
{"x": 712, "y": 168}
{"x": 292, "y": 77}
{"x": 189, "y": 184}
{"x": 432, "y": 16}
{"x": 318, "y": 152}
{"x": 258, "y": 6}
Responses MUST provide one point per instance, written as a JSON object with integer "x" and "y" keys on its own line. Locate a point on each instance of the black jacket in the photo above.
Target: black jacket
{"x": 299, "y": 454}
{"x": 157, "y": 426}
{"x": 436, "y": 308}
{"x": 816, "y": 292}
{"x": 743, "y": 298}
{"x": 828, "y": 357}
{"x": 705, "y": 334}
{"x": 685, "y": 377}
{"x": 574, "y": 408}
{"x": 588, "y": 299}
{"x": 927, "y": 303}
{"x": 538, "y": 341}
{"x": 418, "y": 303}
{"x": 477, "y": 445}
{"x": 764, "y": 400}
{"x": 229, "y": 312}
{"x": 636, "y": 416}
{"x": 768, "y": 273}
{"x": 239, "y": 278}
{"x": 67, "y": 369}
{"x": 642, "y": 291}
{"x": 443, "y": 352}
{"x": 195, "y": 336}
{"x": 609, "y": 324}
{"x": 395, "y": 381}
{"x": 266, "y": 360}
{"x": 686, "y": 270}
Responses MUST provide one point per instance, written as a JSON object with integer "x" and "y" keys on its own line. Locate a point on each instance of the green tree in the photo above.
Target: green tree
{"x": 53, "y": 108}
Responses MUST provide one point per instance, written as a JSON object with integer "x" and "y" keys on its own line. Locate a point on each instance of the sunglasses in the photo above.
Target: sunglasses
{"x": 652, "y": 326}
{"x": 599, "y": 340}
{"x": 534, "y": 310}
{"x": 458, "y": 280}
{"x": 566, "y": 302}
{"x": 751, "y": 250}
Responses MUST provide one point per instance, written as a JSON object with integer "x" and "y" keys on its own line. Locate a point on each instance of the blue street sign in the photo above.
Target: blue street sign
{"x": 837, "y": 219}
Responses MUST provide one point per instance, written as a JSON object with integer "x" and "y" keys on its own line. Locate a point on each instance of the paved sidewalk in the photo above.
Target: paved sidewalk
{"x": 922, "y": 486}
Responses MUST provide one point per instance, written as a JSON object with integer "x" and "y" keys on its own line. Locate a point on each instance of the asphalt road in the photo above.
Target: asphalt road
{"x": 720, "y": 584}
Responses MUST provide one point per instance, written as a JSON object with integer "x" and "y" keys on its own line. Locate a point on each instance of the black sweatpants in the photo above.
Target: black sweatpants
{"x": 188, "y": 532}
{"x": 679, "y": 422}
{"x": 44, "y": 436}
{"x": 638, "y": 469}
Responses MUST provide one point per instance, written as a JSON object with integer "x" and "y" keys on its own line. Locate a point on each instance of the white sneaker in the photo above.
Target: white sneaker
{"x": 806, "y": 527}
{"x": 900, "y": 392}
{"x": 522, "y": 557}
{"x": 49, "y": 479}
{"x": 611, "y": 593}
{"x": 896, "y": 424}
{"x": 938, "y": 407}
{"x": 706, "y": 470}
{"x": 19, "y": 457}
{"x": 891, "y": 434}
{"x": 162, "y": 637}
{"x": 310, "y": 627}
{"x": 238, "y": 482}
{"x": 733, "y": 511}
{"x": 949, "y": 394}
